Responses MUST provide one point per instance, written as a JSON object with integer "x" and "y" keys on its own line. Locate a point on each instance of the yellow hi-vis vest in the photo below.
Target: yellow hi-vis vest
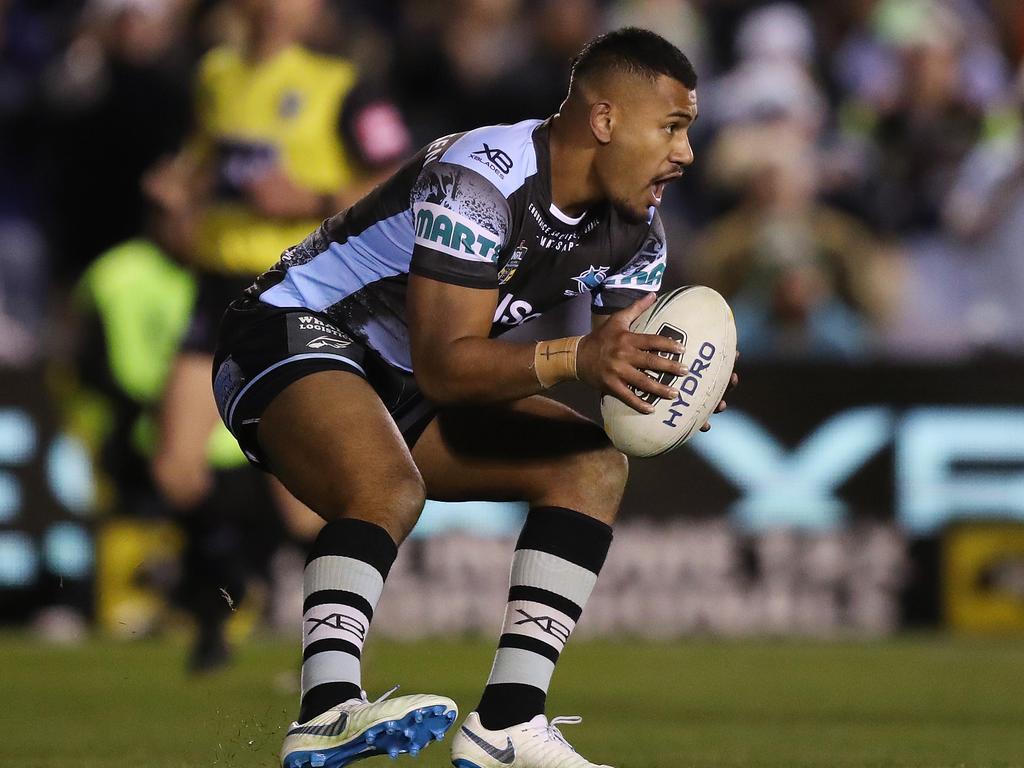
{"x": 284, "y": 111}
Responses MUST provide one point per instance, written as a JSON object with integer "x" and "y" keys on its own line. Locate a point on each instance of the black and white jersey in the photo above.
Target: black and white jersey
{"x": 472, "y": 209}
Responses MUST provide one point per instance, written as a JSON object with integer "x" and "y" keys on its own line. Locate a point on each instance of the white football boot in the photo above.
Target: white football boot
{"x": 360, "y": 728}
{"x": 536, "y": 744}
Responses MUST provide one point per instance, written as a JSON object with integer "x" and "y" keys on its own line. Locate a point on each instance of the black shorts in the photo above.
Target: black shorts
{"x": 213, "y": 294}
{"x": 262, "y": 349}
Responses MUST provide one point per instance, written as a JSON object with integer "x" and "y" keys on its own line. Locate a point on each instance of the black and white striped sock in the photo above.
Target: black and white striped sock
{"x": 558, "y": 557}
{"x": 344, "y": 576}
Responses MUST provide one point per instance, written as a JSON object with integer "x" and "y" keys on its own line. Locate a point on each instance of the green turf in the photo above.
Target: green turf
{"x": 925, "y": 702}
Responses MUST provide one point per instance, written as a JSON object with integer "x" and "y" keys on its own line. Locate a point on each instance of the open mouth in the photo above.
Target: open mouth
{"x": 659, "y": 184}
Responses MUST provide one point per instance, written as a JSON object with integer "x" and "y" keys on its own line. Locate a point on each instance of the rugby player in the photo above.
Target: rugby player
{"x": 476, "y": 234}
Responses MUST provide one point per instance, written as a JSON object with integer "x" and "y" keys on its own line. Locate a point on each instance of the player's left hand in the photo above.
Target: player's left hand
{"x": 734, "y": 381}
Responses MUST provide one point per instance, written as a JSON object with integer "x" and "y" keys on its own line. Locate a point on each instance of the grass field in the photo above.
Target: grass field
{"x": 911, "y": 702}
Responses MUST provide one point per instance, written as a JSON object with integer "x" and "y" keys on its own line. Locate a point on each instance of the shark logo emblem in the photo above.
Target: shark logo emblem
{"x": 588, "y": 280}
{"x": 328, "y": 341}
{"x": 506, "y": 755}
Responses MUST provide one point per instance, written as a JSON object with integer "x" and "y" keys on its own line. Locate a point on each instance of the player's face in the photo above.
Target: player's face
{"x": 650, "y": 145}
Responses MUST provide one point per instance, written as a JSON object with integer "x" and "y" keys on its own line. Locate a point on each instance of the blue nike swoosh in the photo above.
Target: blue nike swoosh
{"x": 327, "y": 729}
{"x": 506, "y": 755}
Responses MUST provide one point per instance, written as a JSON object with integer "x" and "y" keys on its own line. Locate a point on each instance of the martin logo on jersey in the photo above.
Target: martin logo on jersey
{"x": 506, "y": 272}
{"x": 588, "y": 280}
{"x": 495, "y": 159}
{"x": 448, "y": 231}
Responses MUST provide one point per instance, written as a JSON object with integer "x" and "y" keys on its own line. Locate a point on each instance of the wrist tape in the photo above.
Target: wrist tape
{"x": 554, "y": 360}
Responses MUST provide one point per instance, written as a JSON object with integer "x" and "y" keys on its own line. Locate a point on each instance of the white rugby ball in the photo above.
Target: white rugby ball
{"x": 700, "y": 319}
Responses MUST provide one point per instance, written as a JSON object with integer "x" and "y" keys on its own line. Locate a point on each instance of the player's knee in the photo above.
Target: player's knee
{"x": 407, "y": 496}
{"x": 611, "y": 468}
{"x": 394, "y": 501}
{"x": 593, "y": 479}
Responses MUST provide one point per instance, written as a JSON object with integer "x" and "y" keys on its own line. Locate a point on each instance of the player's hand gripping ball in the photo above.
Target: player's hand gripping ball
{"x": 700, "y": 319}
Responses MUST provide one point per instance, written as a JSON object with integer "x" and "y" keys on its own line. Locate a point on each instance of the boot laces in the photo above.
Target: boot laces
{"x": 364, "y": 699}
{"x": 550, "y": 732}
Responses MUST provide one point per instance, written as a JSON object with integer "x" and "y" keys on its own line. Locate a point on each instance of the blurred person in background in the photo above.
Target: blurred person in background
{"x": 919, "y": 81}
{"x": 802, "y": 277}
{"x": 556, "y": 29}
{"x": 453, "y": 63}
{"x": 120, "y": 101}
{"x": 283, "y": 136}
{"x": 131, "y": 309}
{"x": 29, "y": 41}
{"x": 984, "y": 213}
{"x": 804, "y": 280}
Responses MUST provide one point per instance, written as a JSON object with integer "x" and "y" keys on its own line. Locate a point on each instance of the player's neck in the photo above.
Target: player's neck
{"x": 264, "y": 43}
{"x": 574, "y": 187}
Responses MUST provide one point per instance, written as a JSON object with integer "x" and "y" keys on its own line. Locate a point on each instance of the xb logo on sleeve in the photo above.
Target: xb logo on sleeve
{"x": 496, "y": 158}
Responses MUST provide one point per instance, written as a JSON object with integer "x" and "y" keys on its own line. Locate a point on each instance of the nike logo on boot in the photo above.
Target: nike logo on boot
{"x": 506, "y": 755}
{"x": 327, "y": 729}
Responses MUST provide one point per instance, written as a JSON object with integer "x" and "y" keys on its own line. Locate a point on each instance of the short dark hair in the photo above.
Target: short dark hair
{"x": 636, "y": 51}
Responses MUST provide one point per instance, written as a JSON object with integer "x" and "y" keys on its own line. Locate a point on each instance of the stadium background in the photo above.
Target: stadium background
{"x": 858, "y": 195}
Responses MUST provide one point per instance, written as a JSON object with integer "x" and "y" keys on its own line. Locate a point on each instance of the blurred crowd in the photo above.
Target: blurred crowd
{"x": 858, "y": 191}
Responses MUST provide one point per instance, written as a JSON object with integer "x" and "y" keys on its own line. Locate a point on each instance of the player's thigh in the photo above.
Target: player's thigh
{"x": 333, "y": 444}
{"x": 534, "y": 450}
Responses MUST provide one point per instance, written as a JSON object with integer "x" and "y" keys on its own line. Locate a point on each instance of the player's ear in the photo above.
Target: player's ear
{"x": 602, "y": 121}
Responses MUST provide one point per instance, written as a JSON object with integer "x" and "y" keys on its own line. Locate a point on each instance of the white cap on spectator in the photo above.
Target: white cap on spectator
{"x": 101, "y": 8}
{"x": 767, "y": 90}
{"x": 780, "y": 31}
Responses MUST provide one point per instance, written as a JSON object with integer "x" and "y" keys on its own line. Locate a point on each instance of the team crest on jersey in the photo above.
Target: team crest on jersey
{"x": 588, "y": 280}
{"x": 506, "y": 272}
{"x": 289, "y": 105}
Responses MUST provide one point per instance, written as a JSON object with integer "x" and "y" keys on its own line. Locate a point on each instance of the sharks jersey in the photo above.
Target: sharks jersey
{"x": 475, "y": 210}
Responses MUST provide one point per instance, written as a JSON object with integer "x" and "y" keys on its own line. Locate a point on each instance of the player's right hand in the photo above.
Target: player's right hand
{"x": 613, "y": 359}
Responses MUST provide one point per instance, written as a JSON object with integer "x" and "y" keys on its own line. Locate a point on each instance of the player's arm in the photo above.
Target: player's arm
{"x": 461, "y": 221}
{"x": 455, "y": 361}
{"x": 453, "y": 357}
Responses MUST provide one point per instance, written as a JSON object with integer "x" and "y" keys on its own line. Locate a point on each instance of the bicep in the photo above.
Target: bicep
{"x": 440, "y": 314}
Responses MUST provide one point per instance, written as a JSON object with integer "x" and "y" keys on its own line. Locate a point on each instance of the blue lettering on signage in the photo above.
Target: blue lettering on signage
{"x": 67, "y": 546}
{"x": 799, "y": 487}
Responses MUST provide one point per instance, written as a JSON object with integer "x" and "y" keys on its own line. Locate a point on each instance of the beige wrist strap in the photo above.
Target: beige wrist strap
{"x": 554, "y": 360}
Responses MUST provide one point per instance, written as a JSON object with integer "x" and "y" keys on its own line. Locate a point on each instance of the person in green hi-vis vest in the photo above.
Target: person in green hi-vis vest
{"x": 134, "y": 304}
